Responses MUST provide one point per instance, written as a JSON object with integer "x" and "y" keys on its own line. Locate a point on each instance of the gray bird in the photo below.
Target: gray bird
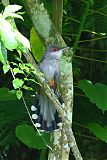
{"x": 46, "y": 117}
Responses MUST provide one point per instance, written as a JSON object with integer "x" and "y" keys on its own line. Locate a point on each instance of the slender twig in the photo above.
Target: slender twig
{"x": 90, "y": 59}
{"x": 81, "y": 26}
{"x": 34, "y": 124}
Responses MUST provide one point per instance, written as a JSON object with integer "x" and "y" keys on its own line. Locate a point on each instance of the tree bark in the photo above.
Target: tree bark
{"x": 60, "y": 139}
{"x": 57, "y": 6}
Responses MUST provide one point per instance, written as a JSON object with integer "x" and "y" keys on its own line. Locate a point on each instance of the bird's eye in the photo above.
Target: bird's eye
{"x": 54, "y": 49}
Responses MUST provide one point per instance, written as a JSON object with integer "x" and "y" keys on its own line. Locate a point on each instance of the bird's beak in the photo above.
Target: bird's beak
{"x": 63, "y": 49}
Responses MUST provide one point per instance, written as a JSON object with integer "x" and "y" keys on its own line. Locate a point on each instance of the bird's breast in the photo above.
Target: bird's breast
{"x": 48, "y": 68}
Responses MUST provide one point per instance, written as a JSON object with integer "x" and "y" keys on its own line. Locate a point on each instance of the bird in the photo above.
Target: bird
{"x": 44, "y": 114}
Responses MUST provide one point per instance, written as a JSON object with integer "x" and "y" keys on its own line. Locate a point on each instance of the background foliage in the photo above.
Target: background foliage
{"x": 90, "y": 85}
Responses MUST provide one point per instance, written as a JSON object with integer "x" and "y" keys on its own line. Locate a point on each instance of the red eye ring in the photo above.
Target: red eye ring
{"x": 54, "y": 49}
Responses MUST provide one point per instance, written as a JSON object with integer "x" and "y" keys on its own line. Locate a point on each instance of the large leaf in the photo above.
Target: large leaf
{"x": 96, "y": 93}
{"x": 12, "y": 112}
{"x": 36, "y": 45}
{"x": 23, "y": 42}
{"x": 17, "y": 83}
{"x": 26, "y": 134}
{"x": 99, "y": 131}
{"x": 8, "y": 36}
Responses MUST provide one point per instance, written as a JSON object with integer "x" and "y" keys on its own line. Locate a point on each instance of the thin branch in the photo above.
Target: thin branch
{"x": 90, "y": 59}
{"x": 84, "y": 16}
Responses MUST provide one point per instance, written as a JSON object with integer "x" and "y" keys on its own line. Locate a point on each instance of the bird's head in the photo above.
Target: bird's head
{"x": 54, "y": 51}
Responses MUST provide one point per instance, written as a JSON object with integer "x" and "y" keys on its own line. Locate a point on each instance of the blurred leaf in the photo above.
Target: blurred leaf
{"x": 17, "y": 70}
{"x": 22, "y": 66}
{"x": 65, "y": 2}
{"x": 8, "y": 36}
{"x": 6, "y": 68}
{"x": 12, "y": 112}
{"x": 17, "y": 83}
{"x": 98, "y": 20}
{"x": 26, "y": 134}
{"x": 92, "y": 2}
{"x": 27, "y": 88}
{"x": 96, "y": 93}
{"x": 3, "y": 53}
{"x": 6, "y": 95}
{"x": 19, "y": 94}
{"x": 36, "y": 45}
{"x": 43, "y": 154}
{"x": 7, "y": 139}
{"x": 23, "y": 42}
{"x": 48, "y": 5}
{"x": 11, "y": 9}
{"x": 87, "y": 112}
{"x": 14, "y": 15}
{"x": 98, "y": 131}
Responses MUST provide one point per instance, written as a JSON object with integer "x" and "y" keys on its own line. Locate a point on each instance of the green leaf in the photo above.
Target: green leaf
{"x": 6, "y": 95}
{"x": 19, "y": 94}
{"x": 96, "y": 93}
{"x": 22, "y": 66}
{"x": 3, "y": 53}
{"x": 98, "y": 20}
{"x": 19, "y": 52}
{"x": 14, "y": 15}
{"x": 27, "y": 135}
{"x": 15, "y": 64}
{"x": 17, "y": 83}
{"x": 8, "y": 36}
{"x": 32, "y": 80}
{"x": 23, "y": 42}
{"x": 92, "y": 2}
{"x": 98, "y": 131}
{"x": 17, "y": 70}
{"x": 11, "y": 9}
{"x": 12, "y": 113}
{"x": 36, "y": 45}
{"x": 18, "y": 59}
{"x": 27, "y": 88}
{"x": 6, "y": 68}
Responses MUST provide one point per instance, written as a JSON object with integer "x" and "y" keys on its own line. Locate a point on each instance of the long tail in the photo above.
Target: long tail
{"x": 45, "y": 117}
